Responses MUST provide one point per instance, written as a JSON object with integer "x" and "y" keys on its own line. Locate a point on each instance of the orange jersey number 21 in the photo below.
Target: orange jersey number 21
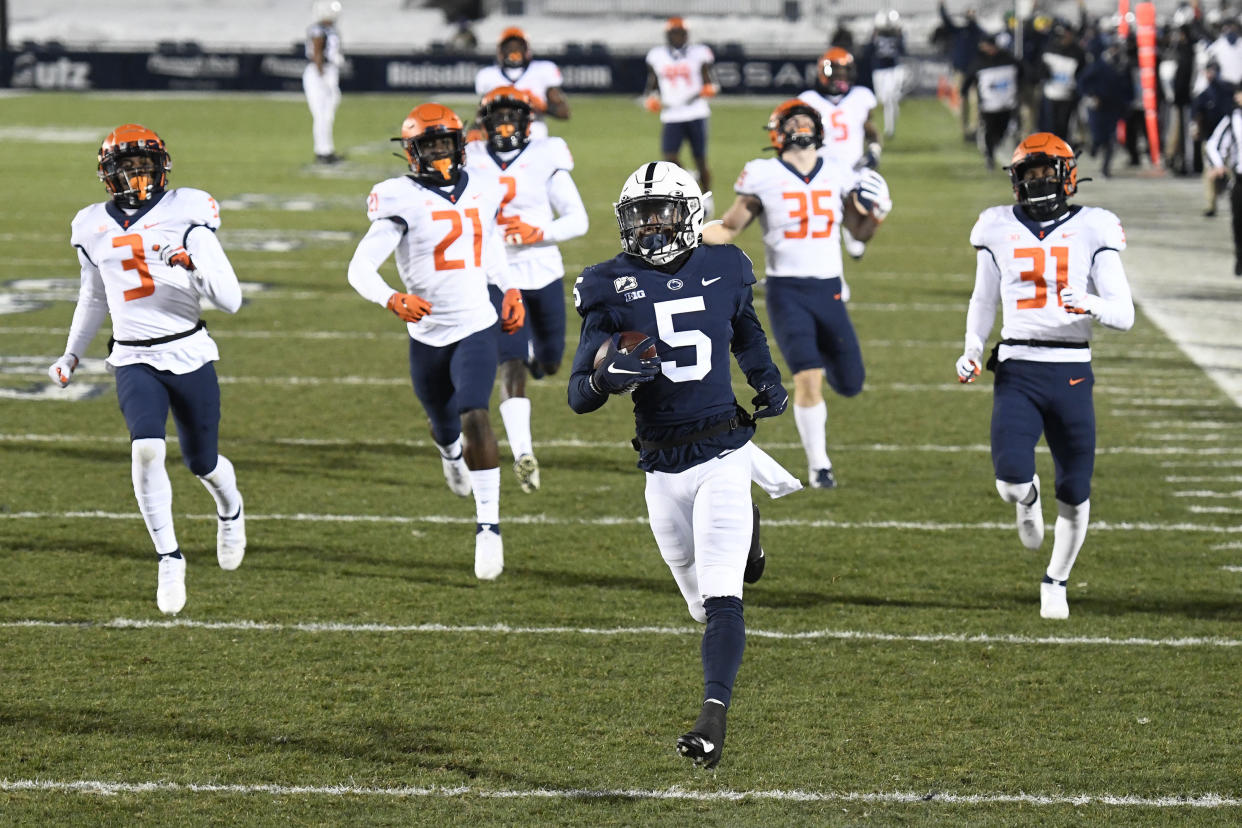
{"x": 454, "y": 233}
{"x": 1036, "y": 274}
{"x": 139, "y": 263}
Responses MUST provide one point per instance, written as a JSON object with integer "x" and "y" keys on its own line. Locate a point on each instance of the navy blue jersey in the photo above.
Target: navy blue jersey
{"x": 698, "y": 316}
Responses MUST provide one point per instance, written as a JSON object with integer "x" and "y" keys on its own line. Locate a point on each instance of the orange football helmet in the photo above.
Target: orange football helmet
{"x": 781, "y": 137}
{"x": 133, "y": 165}
{"x": 506, "y": 113}
{"x": 1044, "y": 197}
{"x": 431, "y": 136}
{"x": 836, "y": 71}
{"x": 513, "y": 48}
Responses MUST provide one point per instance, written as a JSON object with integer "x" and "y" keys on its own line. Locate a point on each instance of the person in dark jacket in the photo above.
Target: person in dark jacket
{"x": 1106, "y": 85}
{"x": 1060, "y": 65}
{"x": 1209, "y": 107}
{"x": 963, "y": 43}
{"x": 996, "y": 75}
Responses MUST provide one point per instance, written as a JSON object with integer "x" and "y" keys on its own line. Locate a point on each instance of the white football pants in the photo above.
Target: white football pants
{"x": 888, "y": 83}
{"x": 323, "y": 95}
{"x": 702, "y": 522}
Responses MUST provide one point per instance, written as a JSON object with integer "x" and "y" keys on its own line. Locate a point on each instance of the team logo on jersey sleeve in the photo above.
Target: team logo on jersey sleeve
{"x": 624, "y": 283}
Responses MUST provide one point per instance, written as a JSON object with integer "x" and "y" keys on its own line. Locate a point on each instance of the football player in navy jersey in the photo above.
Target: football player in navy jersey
{"x": 695, "y": 304}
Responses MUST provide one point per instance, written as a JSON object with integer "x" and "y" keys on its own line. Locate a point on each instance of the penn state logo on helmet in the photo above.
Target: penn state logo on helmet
{"x": 431, "y": 136}
{"x": 133, "y": 165}
{"x": 660, "y": 212}
{"x": 1044, "y": 174}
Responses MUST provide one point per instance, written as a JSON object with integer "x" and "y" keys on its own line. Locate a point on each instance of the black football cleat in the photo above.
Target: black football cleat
{"x": 756, "y": 560}
{"x": 704, "y": 744}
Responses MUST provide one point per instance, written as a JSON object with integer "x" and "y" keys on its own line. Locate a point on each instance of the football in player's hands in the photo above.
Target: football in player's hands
{"x": 625, "y": 343}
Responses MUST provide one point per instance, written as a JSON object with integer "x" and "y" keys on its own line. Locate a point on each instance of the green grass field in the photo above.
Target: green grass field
{"x": 354, "y": 671}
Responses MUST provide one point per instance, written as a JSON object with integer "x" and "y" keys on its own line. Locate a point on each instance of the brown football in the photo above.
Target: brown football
{"x": 625, "y": 341}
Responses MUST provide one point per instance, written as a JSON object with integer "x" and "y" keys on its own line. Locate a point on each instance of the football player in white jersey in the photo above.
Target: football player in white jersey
{"x": 441, "y": 223}
{"x": 1053, "y": 268}
{"x": 515, "y": 67}
{"x": 802, "y": 199}
{"x": 321, "y": 80}
{"x": 679, "y": 85}
{"x": 147, "y": 255}
{"x": 541, "y": 207}
{"x": 845, "y": 110}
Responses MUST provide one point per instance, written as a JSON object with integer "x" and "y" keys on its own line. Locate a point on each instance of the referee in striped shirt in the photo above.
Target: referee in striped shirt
{"x": 1225, "y": 155}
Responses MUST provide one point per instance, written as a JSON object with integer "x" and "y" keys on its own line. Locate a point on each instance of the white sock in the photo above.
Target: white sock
{"x": 486, "y": 485}
{"x": 153, "y": 490}
{"x": 452, "y": 451}
{"x": 812, "y": 425}
{"x": 222, "y": 483}
{"x": 515, "y": 412}
{"x": 1067, "y": 538}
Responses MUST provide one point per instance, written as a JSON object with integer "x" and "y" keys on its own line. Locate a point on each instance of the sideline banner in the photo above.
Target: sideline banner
{"x": 584, "y": 73}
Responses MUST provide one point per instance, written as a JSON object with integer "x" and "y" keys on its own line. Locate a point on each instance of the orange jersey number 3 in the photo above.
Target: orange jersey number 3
{"x": 137, "y": 262}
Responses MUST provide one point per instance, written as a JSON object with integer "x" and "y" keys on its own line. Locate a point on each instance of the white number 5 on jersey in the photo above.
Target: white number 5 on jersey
{"x": 664, "y": 313}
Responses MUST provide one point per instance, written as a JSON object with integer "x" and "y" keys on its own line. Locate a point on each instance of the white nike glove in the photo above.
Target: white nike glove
{"x": 62, "y": 369}
{"x": 1076, "y": 301}
{"x": 176, "y": 256}
{"x": 872, "y": 191}
{"x": 967, "y": 367}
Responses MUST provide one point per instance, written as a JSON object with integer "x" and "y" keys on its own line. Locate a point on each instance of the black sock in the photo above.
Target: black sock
{"x": 176, "y": 553}
{"x": 723, "y": 643}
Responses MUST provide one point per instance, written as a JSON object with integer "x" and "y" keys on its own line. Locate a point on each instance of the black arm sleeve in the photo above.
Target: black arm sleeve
{"x": 750, "y": 346}
{"x": 596, "y": 328}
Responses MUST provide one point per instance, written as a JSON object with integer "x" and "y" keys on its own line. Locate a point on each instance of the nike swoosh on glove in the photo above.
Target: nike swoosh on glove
{"x": 410, "y": 307}
{"x": 770, "y": 401}
{"x": 621, "y": 373}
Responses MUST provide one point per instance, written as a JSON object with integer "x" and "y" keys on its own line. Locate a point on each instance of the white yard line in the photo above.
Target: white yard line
{"x": 100, "y": 787}
{"x": 346, "y": 442}
{"x": 631, "y": 520}
{"x": 317, "y": 627}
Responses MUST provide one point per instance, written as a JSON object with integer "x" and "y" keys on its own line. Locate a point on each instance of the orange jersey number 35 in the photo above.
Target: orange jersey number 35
{"x": 1036, "y": 274}
{"x": 802, "y": 210}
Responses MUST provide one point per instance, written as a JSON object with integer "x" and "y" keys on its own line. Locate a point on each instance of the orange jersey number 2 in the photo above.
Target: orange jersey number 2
{"x": 454, "y": 233}
{"x": 1036, "y": 274}
{"x": 139, "y": 263}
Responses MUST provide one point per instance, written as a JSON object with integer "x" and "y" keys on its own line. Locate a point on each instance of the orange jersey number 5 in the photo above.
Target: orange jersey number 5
{"x": 1036, "y": 274}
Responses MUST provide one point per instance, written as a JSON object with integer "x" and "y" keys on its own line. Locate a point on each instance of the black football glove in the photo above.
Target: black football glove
{"x": 770, "y": 401}
{"x": 621, "y": 373}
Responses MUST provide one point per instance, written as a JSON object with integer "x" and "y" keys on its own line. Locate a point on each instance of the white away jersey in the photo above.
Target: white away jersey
{"x": 844, "y": 137}
{"x": 146, "y": 298}
{"x": 1033, "y": 263}
{"x": 445, "y": 254}
{"x": 523, "y": 181}
{"x": 680, "y": 75}
{"x": 537, "y": 78}
{"x": 331, "y": 43}
{"x": 801, "y": 214}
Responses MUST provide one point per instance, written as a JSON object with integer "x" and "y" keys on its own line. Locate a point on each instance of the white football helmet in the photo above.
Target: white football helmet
{"x": 660, "y": 212}
{"x": 887, "y": 19}
{"x": 325, "y": 11}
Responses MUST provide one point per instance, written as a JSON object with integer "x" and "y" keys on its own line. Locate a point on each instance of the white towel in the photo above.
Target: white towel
{"x": 771, "y": 475}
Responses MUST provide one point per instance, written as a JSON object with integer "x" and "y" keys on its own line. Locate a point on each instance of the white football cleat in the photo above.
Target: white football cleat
{"x": 1052, "y": 602}
{"x": 457, "y": 475}
{"x": 170, "y": 593}
{"x": 231, "y": 538}
{"x": 526, "y": 468}
{"x": 489, "y": 552}
{"x": 1031, "y": 520}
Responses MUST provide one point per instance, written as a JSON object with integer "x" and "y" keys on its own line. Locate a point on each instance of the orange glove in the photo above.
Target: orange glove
{"x": 518, "y": 232}
{"x": 409, "y": 307}
{"x": 709, "y": 91}
{"x": 652, "y": 103}
{"x": 512, "y": 311}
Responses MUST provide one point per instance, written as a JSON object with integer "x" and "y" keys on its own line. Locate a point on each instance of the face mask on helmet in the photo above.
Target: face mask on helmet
{"x": 436, "y": 158}
{"x": 1039, "y": 184}
{"x": 656, "y": 228}
{"x": 837, "y": 77}
{"x": 507, "y": 123}
{"x": 134, "y": 172}
{"x": 514, "y": 53}
{"x": 801, "y": 128}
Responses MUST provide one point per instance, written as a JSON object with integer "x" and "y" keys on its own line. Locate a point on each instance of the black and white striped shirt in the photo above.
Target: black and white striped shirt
{"x": 1222, "y": 148}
